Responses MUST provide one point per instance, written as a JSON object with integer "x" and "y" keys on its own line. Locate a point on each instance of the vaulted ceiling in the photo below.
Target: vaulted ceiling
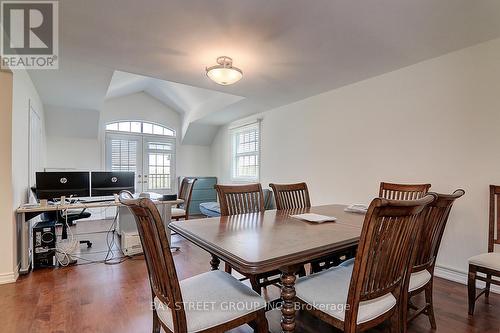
{"x": 288, "y": 49}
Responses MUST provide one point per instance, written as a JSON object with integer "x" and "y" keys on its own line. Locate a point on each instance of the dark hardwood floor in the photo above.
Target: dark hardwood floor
{"x": 116, "y": 298}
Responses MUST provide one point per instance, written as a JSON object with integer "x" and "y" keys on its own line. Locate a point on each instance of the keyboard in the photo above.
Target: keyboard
{"x": 98, "y": 199}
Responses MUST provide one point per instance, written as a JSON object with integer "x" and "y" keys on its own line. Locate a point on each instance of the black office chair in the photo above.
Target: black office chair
{"x": 72, "y": 216}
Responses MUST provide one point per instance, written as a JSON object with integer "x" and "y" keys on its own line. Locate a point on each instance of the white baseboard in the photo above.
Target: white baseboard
{"x": 9, "y": 277}
{"x": 460, "y": 277}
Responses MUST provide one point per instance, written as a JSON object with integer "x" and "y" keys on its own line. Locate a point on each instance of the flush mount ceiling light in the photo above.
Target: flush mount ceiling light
{"x": 224, "y": 73}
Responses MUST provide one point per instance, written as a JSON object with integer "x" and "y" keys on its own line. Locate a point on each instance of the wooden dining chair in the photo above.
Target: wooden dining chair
{"x": 245, "y": 199}
{"x": 487, "y": 264}
{"x": 435, "y": 217}
{"x": 185, "y": 193}
{"x": 361, "y": 296}
{"x": 177, "y": 303}
{"x": 291, "y": 196}
{"x": 394, "y": 191}
{"x": 240, "y": 199}
{"x": 295, "y": 197}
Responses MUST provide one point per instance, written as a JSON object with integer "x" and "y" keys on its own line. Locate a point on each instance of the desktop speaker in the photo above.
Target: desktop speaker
{"x": 169, "y": 197}
{"x": 44, "y": 244}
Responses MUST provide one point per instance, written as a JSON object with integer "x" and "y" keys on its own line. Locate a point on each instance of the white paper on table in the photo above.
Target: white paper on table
{"x": 357, "y": 208}
{"x": 316, "y": 218}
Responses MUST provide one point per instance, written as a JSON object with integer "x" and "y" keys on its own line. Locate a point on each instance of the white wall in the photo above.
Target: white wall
{"x": 73, "y": 153}
{"x": 72, "y": 138}
{"x": 437, "y": 121}
{"x": 72, "y": 122}
{"x": 193, "y": 160}
{"x": 24, "y": 95}
{"x": 7, "y": 243}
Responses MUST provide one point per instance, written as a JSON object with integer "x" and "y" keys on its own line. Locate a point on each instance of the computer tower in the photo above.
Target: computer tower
{"x": 44, "y": 244}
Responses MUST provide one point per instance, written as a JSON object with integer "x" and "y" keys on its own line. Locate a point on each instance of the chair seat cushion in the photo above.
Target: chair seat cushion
{"x": 347, "y": 263}
{"x": 419, "y": 279}
{"x": 210, "y": 209}
{"x": 178, "y": 212}
{"x": 487, "y": 260}
{"x": 327, "y": 291}
{"x": 211, "y": 299}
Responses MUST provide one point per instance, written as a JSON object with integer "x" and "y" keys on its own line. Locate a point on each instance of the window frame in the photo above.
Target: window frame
{"x": 150, "y": 140}
{"x": 142, "y": 122}
{"x": 143, "y": 139}
{"x": 233, "y": 133}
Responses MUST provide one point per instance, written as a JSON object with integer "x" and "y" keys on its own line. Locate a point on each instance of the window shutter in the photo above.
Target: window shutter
{"x": 123, "y": 155}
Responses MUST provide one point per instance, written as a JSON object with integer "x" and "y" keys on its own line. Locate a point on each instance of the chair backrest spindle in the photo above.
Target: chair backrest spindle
{"x": 393, "y": 191}
{"x": 494, "y": 220}
{"x": 290, "y": 196}
{"x": 240, "y": 199}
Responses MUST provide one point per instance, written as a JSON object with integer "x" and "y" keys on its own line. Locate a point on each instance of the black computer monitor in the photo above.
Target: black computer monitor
{"x": 105, "y": 183}
{"x": 53, "y": 185}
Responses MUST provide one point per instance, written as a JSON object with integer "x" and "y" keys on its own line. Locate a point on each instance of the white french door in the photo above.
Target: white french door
{"x": 151, "y": 157}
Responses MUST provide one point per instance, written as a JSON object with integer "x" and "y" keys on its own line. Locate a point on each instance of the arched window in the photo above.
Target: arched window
{"x": 139, "y": 127}
{"x": 145, "y": 148}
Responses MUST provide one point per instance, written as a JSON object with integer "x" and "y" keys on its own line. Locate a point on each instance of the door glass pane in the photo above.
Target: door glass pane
{"x": 135, "y": 127}
{"x": 112, "y": 127}
{"x": 167, "y": 131}
{"x": 159, "y": 170}
{"x": 147, "y": 128}
{"x": 157, "y": 130}
{"x": 159, "y": 146}
{"x": 124, "y": 126}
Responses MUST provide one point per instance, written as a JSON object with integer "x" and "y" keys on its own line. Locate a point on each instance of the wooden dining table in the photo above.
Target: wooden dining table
{"x": 258, "y": 243}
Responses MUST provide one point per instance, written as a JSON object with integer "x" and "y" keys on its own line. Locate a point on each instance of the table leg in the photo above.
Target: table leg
{"x": 288, "y": 297}
{"x": 167, "y": 218}
{"x": 214, "y": 263}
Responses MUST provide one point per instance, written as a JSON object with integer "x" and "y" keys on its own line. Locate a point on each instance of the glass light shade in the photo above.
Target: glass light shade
{"x": 224, "y": 73}
{"x": 224, "y": 76}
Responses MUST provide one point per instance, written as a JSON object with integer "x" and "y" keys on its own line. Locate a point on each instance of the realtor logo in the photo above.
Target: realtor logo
{"x": 29, "y": 34}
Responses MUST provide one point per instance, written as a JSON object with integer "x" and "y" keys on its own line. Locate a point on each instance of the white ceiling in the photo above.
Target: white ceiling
{"x": 75, "y": 85}
{"x": 287, "y": 49}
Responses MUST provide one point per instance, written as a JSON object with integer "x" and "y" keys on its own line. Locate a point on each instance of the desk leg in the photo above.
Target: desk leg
{"x": 25, "y": 244}
{"x": 288, "y": 297}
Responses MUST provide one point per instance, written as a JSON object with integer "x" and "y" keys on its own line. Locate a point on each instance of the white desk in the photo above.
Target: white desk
{"x": 27, "y": 212}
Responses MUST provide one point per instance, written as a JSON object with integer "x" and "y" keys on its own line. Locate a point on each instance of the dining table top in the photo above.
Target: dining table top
{"x": 261, "y": 242}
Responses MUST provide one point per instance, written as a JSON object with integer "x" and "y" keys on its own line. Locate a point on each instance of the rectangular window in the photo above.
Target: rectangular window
{"x": 246, "y": 152}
